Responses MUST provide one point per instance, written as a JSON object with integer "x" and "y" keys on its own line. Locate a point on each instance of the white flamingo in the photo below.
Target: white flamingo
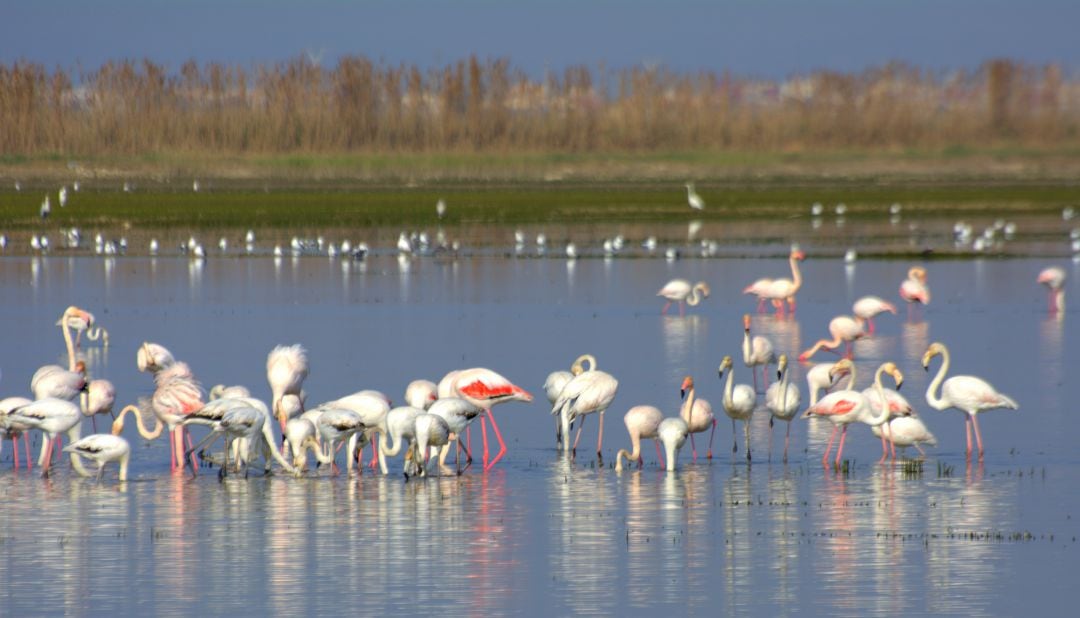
{"x": 968, "y": 394}
{"x": 844, "y": 329}
{"x": 52, "y": 416}
{"x": 103, "y": 449}
{"x": 757, "y": 351}
{"x": 905, "y": 431}
{"x": 698, "y": 415}
{"x": 590, "y": 392}
{"x": 642, "y": 423}
{"x": 684, "y": 293}
{"x": 738, "y": 402}
{"x": 458, "y": 414}
{"x": 867, "y": 307}
{"x": 783, "y": 400}
{"x": 421, "y": 394}
{"x": 672, "y": 432}
{"x": 780, "y": 290}
{"x": 12, "y": 430}
{"x": 286, "y": 368}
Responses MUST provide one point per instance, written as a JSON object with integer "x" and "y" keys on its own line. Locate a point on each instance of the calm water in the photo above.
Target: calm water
{"x": 538, "y": 532}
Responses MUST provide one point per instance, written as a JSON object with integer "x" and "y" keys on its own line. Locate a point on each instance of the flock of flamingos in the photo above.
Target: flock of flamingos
{"x": 435, "y": 415}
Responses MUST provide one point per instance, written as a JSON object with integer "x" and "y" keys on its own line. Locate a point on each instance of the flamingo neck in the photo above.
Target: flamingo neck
{"x": 271, "y": 445}
{"x": 938, "y": 403}
{"x": 694, "y": 299}
{"x": 882, "y": 414}
{"x": 728, "y": 388}
{"x": 851, "y": 379}
{"x": 782, "y": 404}
{"x": 628, "y": 455}
{"x": 73, "y": 435}
{"x": 746, "y": 347}
{"x": 393, "y": 450}
{"x": 124, "y": 459}
{"x": 670, "y": 453}
{"x": 687, "y": 412}
{"x": 147, "y": 434}
{"x": 796, "y": 276}
{"x": 67, "y": 340}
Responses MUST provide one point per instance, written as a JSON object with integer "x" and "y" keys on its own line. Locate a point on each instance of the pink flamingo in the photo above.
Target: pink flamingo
{"x": 759, "y": 289}
{"x": 867, "y": 307}
{"x": 698, "y": 415}
{"x": 484, "y": 388}
{"x": 784, "y": 289}
{"x": 642, "y": 423}
{"x": 53, "y": 417}
{"x": 898, "y": 407}
{"x": 100, "y": 397}
{"x": 421, "y": 394}
{"x": 914, "y": 289}
{"x": 757, "y": 351}
{"x": 680, "y": 290}
{"x": 55, "y": 381}
{"x": 848, "y": 406}
{"x": 968, "y": 394}
{"x": 844, "y": 329}
{"x": 1054, "y": 280}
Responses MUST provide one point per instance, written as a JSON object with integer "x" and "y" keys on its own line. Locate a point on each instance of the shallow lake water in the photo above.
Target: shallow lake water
{"x": 539, "y": 534}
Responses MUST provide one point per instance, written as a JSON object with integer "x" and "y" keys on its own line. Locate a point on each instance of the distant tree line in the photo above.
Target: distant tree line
{"x": 473, "y": 105}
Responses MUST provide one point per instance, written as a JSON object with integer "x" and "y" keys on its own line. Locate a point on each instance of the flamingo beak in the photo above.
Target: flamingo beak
{"x": 682, "y": 393}
{"x": 720, "y": 373}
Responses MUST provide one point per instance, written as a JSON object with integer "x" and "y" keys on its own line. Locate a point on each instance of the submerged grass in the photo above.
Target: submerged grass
{"x": 227, "y": 205}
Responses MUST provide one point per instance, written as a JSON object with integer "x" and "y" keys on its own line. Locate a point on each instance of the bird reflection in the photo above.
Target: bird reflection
{"x": 914, "y": 338}
{"x": 680, "y": 337}
{"x": 1051, "y": 348}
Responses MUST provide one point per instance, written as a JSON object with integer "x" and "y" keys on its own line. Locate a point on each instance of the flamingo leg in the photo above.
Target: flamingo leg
{"x": 761, "y": 304}
{"x": 682, "y": 308}
{"x": 502, "y": 445}
{"x": 659, "y": 456}
{"x": 15, "y": 447}
{"x": 600, "y": 441}
{"x": 840, "y": 449}
{"x": 892, "y": 443}
{"x": 667, "y": 306}
{"x": 734, "y": 440}
{"x": 693, "y": 448}
{"x": 870, "y": 325}
{"x": 93, "y": 422}
{"x": 828, "y": 449}
{"x": 26, "y": 449}
{"x": 48, "y": 459}
{"x": 770, "y": 437}
{"x": 884, "y": 447}
{"x": 967, "y": 431}
{"x": 746, "y": 429}
{"x": 791, "y": 305}
{"x": 919, "y": 448}
{"x": 712, "y": 434}
{"x": 483, "y": 434}
{"x": 765, "y": 374}
{"x": 577, "y": 437}
{"x": 787, "y": 438}
{"x": 978, "y": 436}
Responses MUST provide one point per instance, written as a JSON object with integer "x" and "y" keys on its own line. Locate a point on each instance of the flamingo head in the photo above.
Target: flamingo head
{"x": 725, "y": 364}
{"x": 891, "y": 369}
{"x": 935, "y": 349}
{"x": 76, "y": 318}
{"x": 781, "y": 366}
{"x": 118, "y": 426}
{"x": 1052, "y": 277}
{"x": 918, "y": 273}
{"x": 746, "y": 322}
{"x": 704, "y": 287}
{"x": 797, "y": 254}
{"x": 578, "y": 367}
{"x": 687, "y": 384}
{"x": 80, "y": 367}
{"x": 840, "y": 369}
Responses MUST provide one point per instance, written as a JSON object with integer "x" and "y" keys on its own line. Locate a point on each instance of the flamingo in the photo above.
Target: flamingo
{"x": 905, "y": 431}
{"x": 824, "y": 376}
{"x": 421, "y": 394}
{"x": 738, "y": 402}
{"x": 867, "y": 307}
{"x": 300, "y": 435}
{"x": 55, "y": 381}
{"x": 759, "y": 288}
{"x": 757, "y": 351}
{"x": 557, "y": 380}
{"x": 672, "y": 432}
{"x": 103, "y": 449}
{"x": 681, "y": 291}
{"x": 968, "y": 394}
{"x": 698, "y": 415}
{"x": 53, "y": 417}
{"x": 78, "y": 319}
{"x": 914, "y": 289}
{"x": 485, "y": 388}
{"x": 177, "y": 395}
{"x": 13, "y": 430}
{"x": 693, "y": 199}
{"x": 372, "y": 406}
{"x": 100, "y": 396}
{"x": 784, "y": 289}
{"x": 783, "y": 400}
{"x": 431, "y": 431}
{"x": 848, "y": 406}
{"x": 1054, "y": 280}
{"x": 246, "y": 420}
{"x": 458, "y": 414}
{"x": 844, "y": 329}
{"x": 898, "y": 407}
{"x": 286, "y": 368}
{"x": 591, "y": 391}
{"x": 153, "y": 357}
{"x": 400, "y": 430}
{"x": 642, "y": 423}
{"x": 338, "y": 425}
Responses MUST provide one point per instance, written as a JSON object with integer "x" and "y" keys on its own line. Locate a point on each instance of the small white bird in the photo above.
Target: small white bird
{"x": 693, "y": 198}
{"x": 850, "y": 256}
{"x": 403, "y": 244}
{"x": 440, "y": 208}
{"x": 895, "y": 209}
{"x": 62, "y": 196}
{"x": 649, "y": 244}
{"x": 249, "y": 238}
{"x": 571, "y": 251}
{"x": 816, "y": 209}
{"x": 153, "y": 246}
{"x": 45, "y": 208}
{"x": 841, "y": 209}
{"x": 223, "y": 244}
{"x": 195, "y": 185}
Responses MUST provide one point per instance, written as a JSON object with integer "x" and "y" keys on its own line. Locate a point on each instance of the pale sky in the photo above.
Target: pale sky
{"x": 770, "y": 38}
